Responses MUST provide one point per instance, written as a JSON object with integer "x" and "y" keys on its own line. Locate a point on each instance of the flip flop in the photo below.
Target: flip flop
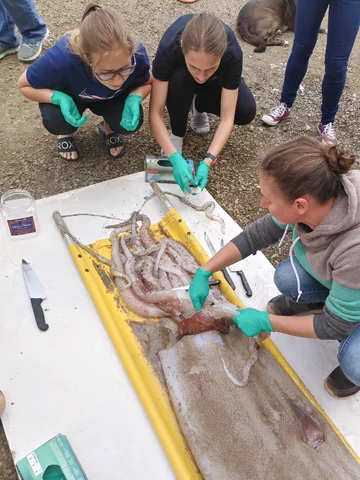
{"x": 67, "y": 145}
{"x": 112, "y": 140}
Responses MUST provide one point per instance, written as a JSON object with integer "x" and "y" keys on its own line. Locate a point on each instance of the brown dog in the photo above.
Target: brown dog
{"x": 259, "y": 21}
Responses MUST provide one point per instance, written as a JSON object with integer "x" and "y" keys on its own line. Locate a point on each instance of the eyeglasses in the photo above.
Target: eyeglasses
{"x": 123, "y": 72}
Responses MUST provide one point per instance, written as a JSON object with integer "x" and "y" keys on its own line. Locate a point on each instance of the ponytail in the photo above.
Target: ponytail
{"x": 306, "y": 166}
{"x": 102, "y": 30}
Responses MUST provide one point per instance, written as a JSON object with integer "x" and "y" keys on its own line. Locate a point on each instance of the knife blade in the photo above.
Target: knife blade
{"x": 186, "y": 287}
{"x": 224, "y": 270}
{"x": 36, "y": 294}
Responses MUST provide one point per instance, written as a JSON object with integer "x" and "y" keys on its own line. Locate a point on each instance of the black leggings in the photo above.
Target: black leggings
{"x": 111, "y": 110}
{"x": 182, "y": 88}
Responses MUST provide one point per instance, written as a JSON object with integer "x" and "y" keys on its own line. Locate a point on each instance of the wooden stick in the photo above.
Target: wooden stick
{"x": 161, "y": 195}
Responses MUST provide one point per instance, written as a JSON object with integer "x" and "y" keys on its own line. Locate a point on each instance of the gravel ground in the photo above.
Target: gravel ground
{"x": 28, "y": 157}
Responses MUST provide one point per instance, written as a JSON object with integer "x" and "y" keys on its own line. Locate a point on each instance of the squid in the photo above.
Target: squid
{"x": 132, "y": 301}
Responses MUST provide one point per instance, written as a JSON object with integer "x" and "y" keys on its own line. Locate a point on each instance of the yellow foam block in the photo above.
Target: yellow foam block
{"x": 117, "y": 319}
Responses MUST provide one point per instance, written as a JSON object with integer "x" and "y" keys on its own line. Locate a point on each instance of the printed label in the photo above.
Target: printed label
{"x": 69, "y": 457}
{"x": 22, "y": 226}
{"x": 34, "y": 464}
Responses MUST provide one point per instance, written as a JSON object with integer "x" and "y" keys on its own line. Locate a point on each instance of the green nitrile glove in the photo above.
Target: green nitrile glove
{"x": 181, "y": 171}
{"x": 131, "y": 112}
{"x": 68, "y": 109}
{"x": 202, "y": 174}
{"x": 252, "y": 322}
{"x": 199, "y": 288}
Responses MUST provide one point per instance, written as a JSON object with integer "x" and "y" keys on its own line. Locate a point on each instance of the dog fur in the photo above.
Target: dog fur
{"x": 259, "y": 21}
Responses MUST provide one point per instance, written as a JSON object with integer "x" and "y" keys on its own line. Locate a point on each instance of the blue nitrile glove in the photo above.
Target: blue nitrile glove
{"x": 68, "y": 109}
{"x": 199, "y": 288}
{"x": 202, "y": 174}
{"x": 181, "y": 171}
{"x": 131, "y": 112}
{"x": 252, "y": 322}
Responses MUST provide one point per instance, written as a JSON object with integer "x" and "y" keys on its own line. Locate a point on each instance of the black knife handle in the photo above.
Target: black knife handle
{"x": 39, "y": 314}
{"x": 228, "y": 278}
{"x": 245, "y": 283}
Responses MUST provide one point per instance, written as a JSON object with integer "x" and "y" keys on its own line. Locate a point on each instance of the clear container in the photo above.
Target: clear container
{"x": 18, "y": 208}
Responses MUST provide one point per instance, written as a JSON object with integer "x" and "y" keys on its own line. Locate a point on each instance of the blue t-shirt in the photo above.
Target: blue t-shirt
{"x": 60, "y": 69}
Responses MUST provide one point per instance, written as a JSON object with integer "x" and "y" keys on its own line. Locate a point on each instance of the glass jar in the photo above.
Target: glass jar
{"x": 19, "y": 211}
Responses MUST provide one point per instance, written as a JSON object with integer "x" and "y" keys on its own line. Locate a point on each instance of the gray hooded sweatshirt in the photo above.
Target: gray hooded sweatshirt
{"x": 330, "y": 253}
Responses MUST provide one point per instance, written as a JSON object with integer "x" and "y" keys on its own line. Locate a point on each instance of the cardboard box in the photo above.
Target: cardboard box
{"x": 55, "y": 460}
{"x": 160, "y": 169}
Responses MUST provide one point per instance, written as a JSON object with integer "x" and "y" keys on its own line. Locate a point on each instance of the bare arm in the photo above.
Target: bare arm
{"x": 157, "y": 109}
{"x": 223, "y": 258}
{"x": 40, "y": 95}
{"x": 227, "y": 114}
{"x": 296, "y": 326}
{"x": 143, "y": 90}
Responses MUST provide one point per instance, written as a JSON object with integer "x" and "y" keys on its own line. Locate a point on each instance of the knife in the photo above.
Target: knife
{"x": 36, "y": 294}
{"x": 241, "y": 274}
{"x": 224, "y": 270}
{"x": 186, "y": 287}
{"x": 245, "y": 283}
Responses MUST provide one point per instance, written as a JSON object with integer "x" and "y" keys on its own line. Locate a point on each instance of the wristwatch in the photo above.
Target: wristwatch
{"x": 211, "y": 156}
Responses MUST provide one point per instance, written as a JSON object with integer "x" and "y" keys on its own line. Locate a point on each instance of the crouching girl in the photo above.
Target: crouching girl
{"x": 99, "y": 66}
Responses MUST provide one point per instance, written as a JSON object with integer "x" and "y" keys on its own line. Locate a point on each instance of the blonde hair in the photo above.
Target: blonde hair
{"x": 204, "y": 33}
{"x": 101, "y": 30}
{"x": 307, "y": 166}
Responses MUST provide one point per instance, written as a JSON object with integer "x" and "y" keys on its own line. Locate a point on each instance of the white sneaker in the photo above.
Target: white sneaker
{"x": 176, "y": 141}
{"x": 199, "y": 122}
{"x": 276, "y": 114}
{"x": 327, "y": 133}
{"x": 8, "y": 51}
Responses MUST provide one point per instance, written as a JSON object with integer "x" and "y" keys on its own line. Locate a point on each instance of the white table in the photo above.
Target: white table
{"x": 70, "y": 379}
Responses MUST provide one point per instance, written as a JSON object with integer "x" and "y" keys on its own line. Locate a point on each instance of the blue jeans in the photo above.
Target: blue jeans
{"x": 23, "y": 14}
{"x": 313, "y": 292}
{"x": 343, "y": 26}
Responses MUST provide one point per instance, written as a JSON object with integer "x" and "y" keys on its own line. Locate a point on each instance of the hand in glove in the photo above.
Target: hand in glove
{"x": 199, "y": 288}
{"x": 202, "y": 174}
{"x": 68, "y": 109}
{"x": 131, "y": 113}
{"x": 181, "y": 171}
{"x": 252, "y": 322}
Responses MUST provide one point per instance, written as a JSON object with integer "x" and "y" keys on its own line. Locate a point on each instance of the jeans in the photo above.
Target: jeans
{"x": 313, "y": 292}
{"x": 111, "y": 110}
{"x": 182, "y": 88}
{"x": 23, "y": 14}
{"x": 343, "y": 26}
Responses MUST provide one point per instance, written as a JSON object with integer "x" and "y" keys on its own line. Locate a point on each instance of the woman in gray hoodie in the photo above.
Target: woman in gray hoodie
{"x": 310, "y": 191}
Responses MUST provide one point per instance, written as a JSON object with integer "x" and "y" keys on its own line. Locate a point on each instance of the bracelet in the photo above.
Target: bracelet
{"x": 211, "y": 156}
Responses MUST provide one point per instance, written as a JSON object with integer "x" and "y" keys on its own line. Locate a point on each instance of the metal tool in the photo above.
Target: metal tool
{"x": 186, "y": 287}
{"x": 224, "y": 270}
{"x": 241, "y": 274}
{"x": 36, "y": 294}
{"x": 245, "y": 283}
